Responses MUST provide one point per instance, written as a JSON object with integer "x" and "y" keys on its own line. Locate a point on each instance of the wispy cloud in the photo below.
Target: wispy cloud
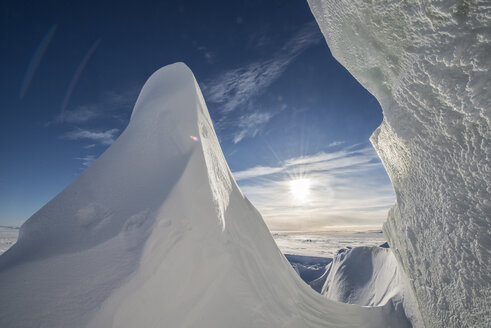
{"x": 112, "y": 104}
{"x": 322, "y": 161}
{"x": 87, "y": 160}
{"x": 251, "y": 124}
{"x": 238, "y": 86}
{"x": 104, "y": 137}
{"x": 338, "y": 160}
{"x": 347, "y": 187}
{"x": 236, "y": 89}
{"x": 80, "y": 114}
{"x": 256, "y": 171}
{"x": 335, "y": 143}
{"x": 113, "y": 108}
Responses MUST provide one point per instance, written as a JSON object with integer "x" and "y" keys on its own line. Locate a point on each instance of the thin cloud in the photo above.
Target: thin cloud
{"x": 81, "y": 114}
{"x": 342, "y": 161}
{"x": 238, "y": 86}
{"x": 104, "y": 137}
{"x": 335, "y": 143}
{"x": 316, "y": 158}
{"x": 87, "y": 160}
{"x": 112, "y": 104}
{"x": 255, "y": 172}
{"x": 251, "y": 124}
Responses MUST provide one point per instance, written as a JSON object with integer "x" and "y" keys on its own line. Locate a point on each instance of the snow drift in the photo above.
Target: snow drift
{"x": 364, "y": 276}
{"x": 156, "y": 233}
{"x": 369, "y": 276}
{"x": 427, "y": 63}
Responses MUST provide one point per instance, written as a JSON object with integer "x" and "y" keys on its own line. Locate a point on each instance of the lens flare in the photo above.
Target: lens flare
{"x": 36, "y": 60}
{"x": 76, "y": 76}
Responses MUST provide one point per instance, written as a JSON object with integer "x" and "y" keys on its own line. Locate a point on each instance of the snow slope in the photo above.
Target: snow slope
{"x": 309, "y": 268}
{"x": 427, "y": 63}
{"x": 156, "y": 233}
{"x": 370, "y": 276}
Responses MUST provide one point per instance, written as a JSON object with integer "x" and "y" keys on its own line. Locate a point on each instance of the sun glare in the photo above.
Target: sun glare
{"x": 300, "y": 189}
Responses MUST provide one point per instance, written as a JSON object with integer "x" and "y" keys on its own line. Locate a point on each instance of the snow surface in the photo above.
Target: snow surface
{"x": 427, "y": 63}
{"x": 369, "y": 276}
{"x": 8, "y": 237}
{"x": 309, "y": 268}
{"x": 324, "y": 243}
{"x": 156, "y": 233}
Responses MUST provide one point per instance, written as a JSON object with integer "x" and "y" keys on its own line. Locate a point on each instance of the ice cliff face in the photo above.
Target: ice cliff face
{"x": 427, "y": 63}
{"x": 156, "y": 233}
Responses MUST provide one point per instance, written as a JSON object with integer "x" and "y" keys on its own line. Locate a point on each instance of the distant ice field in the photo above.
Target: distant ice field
{"x": 8, "y": 237}
{"x": 324, "y": 243}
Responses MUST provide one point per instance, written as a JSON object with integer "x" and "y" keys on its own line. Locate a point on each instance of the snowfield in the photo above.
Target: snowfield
{"x": 8, "y": 237}
{"x": 325, "y": 243}
{"x": 369, "y": 276}
{"x": 156, "y": 233}
{"x": 360, "y": 269}
{"x": 428, "y": 64}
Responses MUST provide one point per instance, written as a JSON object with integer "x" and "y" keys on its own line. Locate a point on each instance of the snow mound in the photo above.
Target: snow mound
{"x": 427, "y": 63}
{"x": 370, "y": 276}
{"x": 156, "y": 233}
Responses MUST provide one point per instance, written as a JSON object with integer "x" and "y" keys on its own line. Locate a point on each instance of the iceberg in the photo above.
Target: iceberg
{"x": 156, "y": 233}
{"x": 427, "y": 63}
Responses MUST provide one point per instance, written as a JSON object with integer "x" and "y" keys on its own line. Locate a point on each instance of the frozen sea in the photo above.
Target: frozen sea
{"x": 8, "y": 237}
{"x": 325, "y": 243}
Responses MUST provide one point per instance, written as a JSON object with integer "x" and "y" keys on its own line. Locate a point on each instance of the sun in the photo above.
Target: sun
{"x": 300, "y": 189}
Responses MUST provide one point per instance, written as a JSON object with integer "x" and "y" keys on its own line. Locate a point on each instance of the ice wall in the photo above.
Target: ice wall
{"x": 427, "y": 63}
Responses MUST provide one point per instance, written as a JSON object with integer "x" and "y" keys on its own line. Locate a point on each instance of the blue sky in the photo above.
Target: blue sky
{"x": 283, "y": 108}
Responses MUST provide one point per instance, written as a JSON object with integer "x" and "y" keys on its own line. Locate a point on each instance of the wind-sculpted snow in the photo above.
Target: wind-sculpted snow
{"x": 370, "y": 276}
{"x": 156, "y": 233}
{"x": 428, "y": 64}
